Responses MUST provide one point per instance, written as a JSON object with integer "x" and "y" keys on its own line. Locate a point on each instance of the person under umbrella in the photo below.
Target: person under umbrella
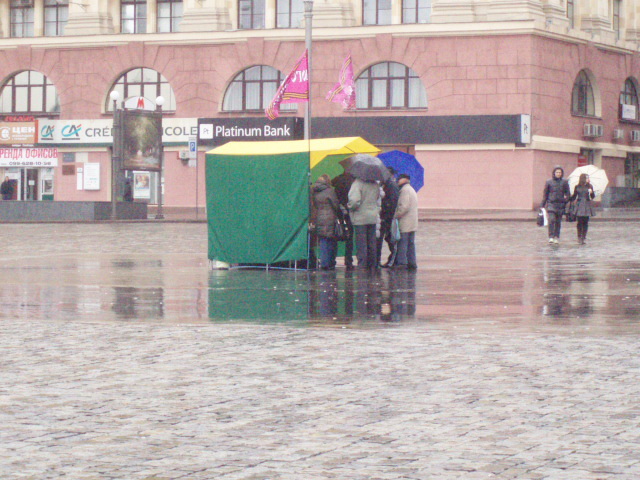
{"x": 364, "y": 210}
{"x": 387, "y": 211}
{"x": 583, "y": 194}
{"x": 342, "y": 184}
{"x": 407, "y": 215}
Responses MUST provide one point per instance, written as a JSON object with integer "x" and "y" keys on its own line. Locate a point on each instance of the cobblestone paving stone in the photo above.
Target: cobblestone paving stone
{"x": 523, "y": 395}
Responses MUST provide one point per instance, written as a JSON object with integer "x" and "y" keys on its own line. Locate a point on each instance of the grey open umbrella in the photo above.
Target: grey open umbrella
{"x": 368, "y": 168}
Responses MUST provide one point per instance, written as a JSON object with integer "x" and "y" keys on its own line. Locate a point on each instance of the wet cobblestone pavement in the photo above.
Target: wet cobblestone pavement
{"x": 123, "y": 357}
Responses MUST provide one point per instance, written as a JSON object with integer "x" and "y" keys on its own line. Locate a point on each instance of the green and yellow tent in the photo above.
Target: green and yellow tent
{"x": 258, "y": 195}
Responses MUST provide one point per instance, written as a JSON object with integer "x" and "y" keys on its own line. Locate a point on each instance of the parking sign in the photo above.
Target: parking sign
{"x": 193, "y": 148}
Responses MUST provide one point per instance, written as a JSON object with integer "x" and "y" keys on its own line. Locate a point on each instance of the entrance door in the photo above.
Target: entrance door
{"x": 30, "y": 184}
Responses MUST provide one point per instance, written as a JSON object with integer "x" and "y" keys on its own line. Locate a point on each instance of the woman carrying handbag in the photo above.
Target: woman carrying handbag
{"x": 583, "y": 207}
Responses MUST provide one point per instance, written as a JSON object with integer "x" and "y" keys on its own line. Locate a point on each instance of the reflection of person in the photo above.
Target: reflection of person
{"x": 583, "y": 194}
{"x": 389, "y": 203}
{"x": 363, "y": 208}
{"x": 128, "y": 191}
{"x": 407, "y": 215}
{"x": 555, "y": 197}
{"x": 342, "y": 184}
{"x": 6, "y": 189}
{"x": 324, "y": 213}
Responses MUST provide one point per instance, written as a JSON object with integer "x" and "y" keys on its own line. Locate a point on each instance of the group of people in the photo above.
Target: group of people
{"x": 365, "y": 212}
{"x": 558, "y": 201}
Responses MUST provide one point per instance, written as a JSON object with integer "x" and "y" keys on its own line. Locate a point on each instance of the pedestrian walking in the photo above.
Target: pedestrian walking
{"x": 407, "y": 215}
{"x": 583, "y": 208}
{"x": 325, "y": 210}
{"x": 364, "y": 210}
{"x": 6, "y": 189}
{"x": 342, "y": 184}
{"x": 387, "y": 212}
{"x": 128, "y": 191}
{"x": 555, "y": 197}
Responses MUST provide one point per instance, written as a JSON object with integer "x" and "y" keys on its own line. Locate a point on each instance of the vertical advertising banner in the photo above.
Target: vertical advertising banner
{"x": 142, "y": 140}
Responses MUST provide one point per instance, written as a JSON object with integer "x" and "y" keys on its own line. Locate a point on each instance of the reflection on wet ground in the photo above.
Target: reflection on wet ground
{"x": 480, "y": 272}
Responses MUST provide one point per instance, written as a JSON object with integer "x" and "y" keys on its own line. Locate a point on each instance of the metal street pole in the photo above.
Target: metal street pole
{"x": 308, "y": 15}
{"x": 159, "y": 103}
{"x": 115, "y": 153}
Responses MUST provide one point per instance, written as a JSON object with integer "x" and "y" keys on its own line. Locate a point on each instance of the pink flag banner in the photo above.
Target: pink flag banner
{"x": 344, "y": 91}
{"x": 294, "y": 89}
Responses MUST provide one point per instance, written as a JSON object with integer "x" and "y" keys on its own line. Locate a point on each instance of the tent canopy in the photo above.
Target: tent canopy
{"x": 258, "y": 195}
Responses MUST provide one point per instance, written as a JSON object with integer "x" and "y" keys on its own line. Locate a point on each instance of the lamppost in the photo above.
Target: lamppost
{"x": 159, "y": 103}
{"x": 115, "y": 152}
{"x": 308, "y": 15}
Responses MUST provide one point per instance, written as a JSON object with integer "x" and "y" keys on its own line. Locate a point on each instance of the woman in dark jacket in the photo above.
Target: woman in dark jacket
{"x": 325, "y": 210}
{"x": 555, "y": 197}
{"x": 583, "y": 194}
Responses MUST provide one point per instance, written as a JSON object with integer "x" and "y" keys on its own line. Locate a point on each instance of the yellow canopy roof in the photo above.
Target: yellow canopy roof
{"x": 319, "y": 148}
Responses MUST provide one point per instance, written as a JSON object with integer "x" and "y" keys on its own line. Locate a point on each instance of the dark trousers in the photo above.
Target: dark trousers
{"x": 555, "y": 223}
{"x": 406, "y": 254}
{"x": 582, "y": 226}
{"x": 385, "y": 235}
{"x": 348, "y": 243}
{"x": 366, "y": 245}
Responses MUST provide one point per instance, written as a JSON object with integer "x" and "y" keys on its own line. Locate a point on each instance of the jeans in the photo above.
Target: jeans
{"x": 366, "y": 245}
{"x": 555, "y": 223}
{"x": 406, "y": 252}
{"x": 348, "y": 243}
{"x": 328, "y": 249}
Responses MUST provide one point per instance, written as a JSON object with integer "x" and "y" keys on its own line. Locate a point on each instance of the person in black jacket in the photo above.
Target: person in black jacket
{"x": 6, "y": 189}
{"x": 387, "y": 212}
{"x": 555, "y": 197}
{"x": 342, "y": 183}
{"x": 583, "y": 194}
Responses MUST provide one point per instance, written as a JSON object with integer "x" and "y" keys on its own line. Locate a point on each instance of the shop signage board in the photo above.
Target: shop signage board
{"x": 28, "y": 157}
{"x": 99, "y": 131}
{"x": 218, "y": 131}
{"x": 17, "y": 133}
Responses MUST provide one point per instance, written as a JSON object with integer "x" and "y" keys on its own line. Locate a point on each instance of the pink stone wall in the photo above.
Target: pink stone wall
{"x": 65, "y": 186}
{"x": 180, "y": 181}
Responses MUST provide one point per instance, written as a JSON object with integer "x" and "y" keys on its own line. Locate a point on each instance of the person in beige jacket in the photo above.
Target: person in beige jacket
{"x": 364, "y": 210}
{"x": 407, "y": 215}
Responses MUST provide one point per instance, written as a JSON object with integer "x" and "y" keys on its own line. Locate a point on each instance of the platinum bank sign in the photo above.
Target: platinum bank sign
{"x": 218, "y": 131}
{"x": 69, "y": 132}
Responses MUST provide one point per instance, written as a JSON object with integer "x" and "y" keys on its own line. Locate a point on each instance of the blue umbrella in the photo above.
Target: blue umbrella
{"x": 403, "y": 162}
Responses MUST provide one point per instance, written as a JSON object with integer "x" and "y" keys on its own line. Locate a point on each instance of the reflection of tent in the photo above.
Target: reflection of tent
{"x": 258, "y": 195}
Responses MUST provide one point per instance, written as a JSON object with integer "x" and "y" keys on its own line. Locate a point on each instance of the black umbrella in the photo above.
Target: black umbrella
{"x": 368, "y": 168}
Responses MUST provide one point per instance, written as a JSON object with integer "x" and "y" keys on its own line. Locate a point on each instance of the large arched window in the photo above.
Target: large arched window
{"x": 253, "y": 89}
{"x": 147, "y": 83}
{"x": 29, "y": 92}
{"x": 390, "y": 85}
{"x": 629, "y": 100}
{"x": 583, "y": 98}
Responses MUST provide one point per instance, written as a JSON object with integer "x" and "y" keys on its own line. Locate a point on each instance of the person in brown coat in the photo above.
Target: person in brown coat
{"x": 325, "y": 210}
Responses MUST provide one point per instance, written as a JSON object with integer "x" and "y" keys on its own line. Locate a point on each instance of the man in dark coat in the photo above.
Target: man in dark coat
{"x": 6, "y": 189}
{"x": 387, "y": 211}
{"x": 128, "y": 191}
{"x": 342, "y": 184}
{"x": 555, "y": 198}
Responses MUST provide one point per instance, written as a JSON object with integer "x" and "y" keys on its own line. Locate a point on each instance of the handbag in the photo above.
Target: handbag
{"x": 339, "y": 230}
{"x": 570, "y": 213}
{"x": 395, "y": 231}
{"x": 541, "y": 221}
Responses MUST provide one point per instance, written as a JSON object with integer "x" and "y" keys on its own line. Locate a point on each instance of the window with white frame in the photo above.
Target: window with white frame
{"x": 253, "y": 89}
{"x": 133, "y": 16}
{"x": 169, "y": 15}
{"x": 376, "y": 12}
{"x": 21, "y": 15}
{"x": 390, "y": 85}
{"x": 571, "y": 12}
{"x": 56, "y": 13}
{"x": 289, "y": 13}
{"x": 617, "y": 6}
{"x": 251, "y": 14}
{"x": 147, "y": 83}
{"x": 416, "y": 11}
{"x": 29, "y": 92}
{"x": 629, "y": 101}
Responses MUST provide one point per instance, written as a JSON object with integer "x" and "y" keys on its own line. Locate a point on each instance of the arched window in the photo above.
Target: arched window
{"x": 253, "y": 89}
{"x": 147, "y": 83}
{"x": 629, "y": 101}
{"x": 29, "y": 92}
{"x": 390, "y": 85}
{"x": 583, "y": 99}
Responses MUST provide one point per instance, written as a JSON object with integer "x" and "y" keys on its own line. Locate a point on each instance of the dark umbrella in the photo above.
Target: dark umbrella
{"x": 403, "y": 162}
{"x": 368, "y": 168}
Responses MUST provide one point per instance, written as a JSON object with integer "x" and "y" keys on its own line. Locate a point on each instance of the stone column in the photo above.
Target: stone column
{"x": 595, "y": 18}
{"x": 631, "y": 18}
{"x": 555, "y": 12}
{"x": 506, "y": 10}
{"x": 205, "y": 16}
{"x": 89, "y": 17}
{"x": 333, "y": 14}
{"x": 4, "y": 19}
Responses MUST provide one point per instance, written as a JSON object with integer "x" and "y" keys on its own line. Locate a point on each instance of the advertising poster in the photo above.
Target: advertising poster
{"x": 142, "y": 141}
{"x": 141, "y": 185}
